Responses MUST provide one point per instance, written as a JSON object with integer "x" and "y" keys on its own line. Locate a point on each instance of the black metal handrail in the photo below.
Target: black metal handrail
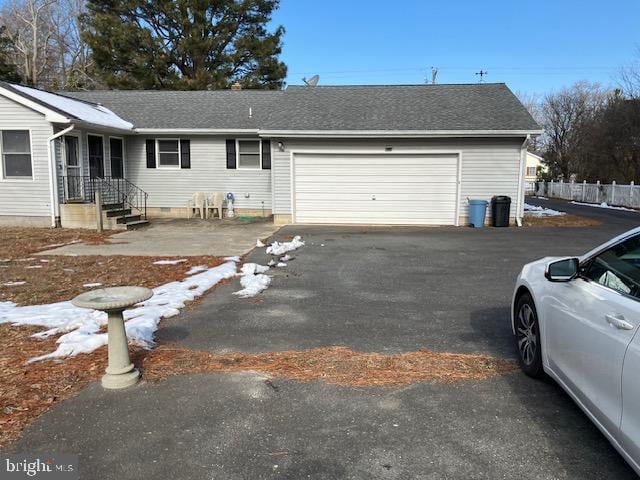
{"x": 114, "y": 191}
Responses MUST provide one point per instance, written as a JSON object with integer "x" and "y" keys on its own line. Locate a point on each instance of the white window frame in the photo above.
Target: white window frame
{"x": 124, "y": 159}
{"x": 238, "y": 141}
{"x": 535, "y": 171}
{"x": 9, "y": 178}
{"x": 168, "y": 167}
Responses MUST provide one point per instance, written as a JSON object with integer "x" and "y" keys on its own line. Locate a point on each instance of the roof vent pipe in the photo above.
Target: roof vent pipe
{"x": 250, "y": 112}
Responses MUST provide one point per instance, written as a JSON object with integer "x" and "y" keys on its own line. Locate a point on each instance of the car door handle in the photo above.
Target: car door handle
{"x": 619, "y": 322}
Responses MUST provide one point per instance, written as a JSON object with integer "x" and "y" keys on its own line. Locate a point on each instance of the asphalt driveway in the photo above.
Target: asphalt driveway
{"x": 372, "y": 289}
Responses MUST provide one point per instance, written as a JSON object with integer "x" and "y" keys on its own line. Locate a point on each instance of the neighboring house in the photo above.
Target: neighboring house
{"x": 403, "y": 154}
{"x": 534, "y": 166}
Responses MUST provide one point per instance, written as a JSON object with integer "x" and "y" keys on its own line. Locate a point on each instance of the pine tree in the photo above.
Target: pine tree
{"x": 8, "y": 69}
{"x": 185, "y": 44}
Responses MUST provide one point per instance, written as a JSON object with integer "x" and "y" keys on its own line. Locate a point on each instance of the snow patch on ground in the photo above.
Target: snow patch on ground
{"x": 537, "y": 211}
{"x": 197, "y": 269}
{"x": 281, "y": 265}
{"x": 286, "y": 258}
{"x": 13, "y": 284}
{"x": 170, "y": 262}
{"x": 253, "y": 280}
{"x": 81, "y": 326}
{"x": 277, "y": 248}
{"x": 259, "y": 243}
{"x": 604, "y": 205}
{"x": 92, "y": 285}
{"x": 33, "y": 266}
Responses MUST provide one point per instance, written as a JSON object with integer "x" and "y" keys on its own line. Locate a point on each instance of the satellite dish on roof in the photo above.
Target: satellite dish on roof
{"x": 312, "y": 82}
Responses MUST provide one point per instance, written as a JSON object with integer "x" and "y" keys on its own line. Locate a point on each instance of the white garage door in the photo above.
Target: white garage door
{"x": 388, "y": 188}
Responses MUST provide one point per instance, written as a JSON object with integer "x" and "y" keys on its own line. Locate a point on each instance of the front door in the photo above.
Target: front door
{"x": 96, "y": 156}
{"x": 590, "y": 322}
{"x": 72, "y": 168}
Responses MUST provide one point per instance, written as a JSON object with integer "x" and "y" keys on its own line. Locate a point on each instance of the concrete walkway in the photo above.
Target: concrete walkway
{"x": 179, "y": 238}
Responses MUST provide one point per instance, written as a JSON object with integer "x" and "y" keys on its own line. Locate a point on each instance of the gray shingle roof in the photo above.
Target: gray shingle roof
{"x": 219, "y": 109}
{"x": 385, "y": 107}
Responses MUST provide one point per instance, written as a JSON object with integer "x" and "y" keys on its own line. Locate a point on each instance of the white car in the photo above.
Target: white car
{"x": 576, "y": 319}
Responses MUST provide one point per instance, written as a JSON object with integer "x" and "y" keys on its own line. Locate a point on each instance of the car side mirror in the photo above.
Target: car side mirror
{"x": 563, "y": 270}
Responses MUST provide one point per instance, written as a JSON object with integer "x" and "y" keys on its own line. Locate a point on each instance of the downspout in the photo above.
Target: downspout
{"x": 53, "y": 176}
{"x": 523, "y": 162}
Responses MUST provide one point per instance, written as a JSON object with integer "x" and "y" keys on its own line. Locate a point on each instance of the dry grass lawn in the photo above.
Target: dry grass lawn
{"x": 54, "y": 278}
{"x": 27, "y": 390}
{"x": 559, "y": 221}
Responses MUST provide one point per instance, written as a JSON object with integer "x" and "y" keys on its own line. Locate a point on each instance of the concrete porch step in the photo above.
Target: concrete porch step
{"x": 129, "y": 218}
{"x": 136, "y": 224}
{"x": 119, "y": 212}
{"x": 112, "y": 206}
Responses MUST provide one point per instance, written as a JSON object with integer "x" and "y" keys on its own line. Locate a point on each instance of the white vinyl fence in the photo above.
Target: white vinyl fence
{"x": 610, "y": 193}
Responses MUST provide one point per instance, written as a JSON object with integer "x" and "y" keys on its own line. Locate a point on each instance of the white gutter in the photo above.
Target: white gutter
{"x": 395, "y": 133}
{"x": 196, "y": 131}
{"x": 53, "y": 176}
{"x": 523, "y": 163}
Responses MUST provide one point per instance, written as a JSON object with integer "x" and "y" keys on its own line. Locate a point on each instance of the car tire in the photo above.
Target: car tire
{"x": 528, "y": 337}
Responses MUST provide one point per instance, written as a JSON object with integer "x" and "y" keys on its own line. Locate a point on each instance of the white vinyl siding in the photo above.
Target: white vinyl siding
{"x": 489, "y": 166}
{"x": 208, "y": 173}
{"x": 375, "y": 188}
{"x": 27, "y": 196}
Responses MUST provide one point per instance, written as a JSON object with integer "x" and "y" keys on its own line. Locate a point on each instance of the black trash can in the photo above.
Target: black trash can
{"x": 500, "y": 207}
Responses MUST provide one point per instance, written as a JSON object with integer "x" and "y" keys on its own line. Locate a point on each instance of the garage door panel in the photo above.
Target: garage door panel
{"x": 410, "y": 188}
{"x": 381, "y": 189}
{"x": 435, "y": 198}
{"x": 387, "y": 160}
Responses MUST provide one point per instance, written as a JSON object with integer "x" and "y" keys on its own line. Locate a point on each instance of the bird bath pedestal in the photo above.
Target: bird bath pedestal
{"x": 120, "y": 372}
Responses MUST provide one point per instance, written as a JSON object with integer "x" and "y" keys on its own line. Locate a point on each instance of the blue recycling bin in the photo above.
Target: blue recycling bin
{"x": 477, "y": 212}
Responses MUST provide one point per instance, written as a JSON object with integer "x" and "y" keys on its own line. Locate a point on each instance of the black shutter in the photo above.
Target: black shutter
{"x": 185, "y": 154}
{"x": 231, "y": 153}
{"x": 151, "y": 153}
{"x": 266, "y": 154}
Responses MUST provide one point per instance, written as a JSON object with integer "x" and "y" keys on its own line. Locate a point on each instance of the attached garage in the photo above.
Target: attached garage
{"x": 376, "y": 188}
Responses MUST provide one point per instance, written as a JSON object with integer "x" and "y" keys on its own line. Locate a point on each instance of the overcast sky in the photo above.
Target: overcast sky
{"x": 532, "y": 46}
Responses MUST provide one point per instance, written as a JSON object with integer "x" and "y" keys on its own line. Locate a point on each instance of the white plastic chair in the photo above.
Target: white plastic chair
{"x": 197, "y": 201}
{"x": 215, "y": 201}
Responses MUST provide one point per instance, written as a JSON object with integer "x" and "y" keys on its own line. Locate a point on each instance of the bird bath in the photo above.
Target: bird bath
{"x": 120, "y": 372}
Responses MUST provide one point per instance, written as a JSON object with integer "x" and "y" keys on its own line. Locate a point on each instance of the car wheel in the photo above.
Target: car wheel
{"x": 528, "y": 337}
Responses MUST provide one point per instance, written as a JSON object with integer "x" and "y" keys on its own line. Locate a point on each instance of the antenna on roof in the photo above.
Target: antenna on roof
{"x": 434, "y": 75}
{"x": 482, "y": 73}
{"x": 312, "y": 82}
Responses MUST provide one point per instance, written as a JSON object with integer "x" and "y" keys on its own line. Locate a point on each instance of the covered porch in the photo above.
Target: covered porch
{"x": 92, "y": 189}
